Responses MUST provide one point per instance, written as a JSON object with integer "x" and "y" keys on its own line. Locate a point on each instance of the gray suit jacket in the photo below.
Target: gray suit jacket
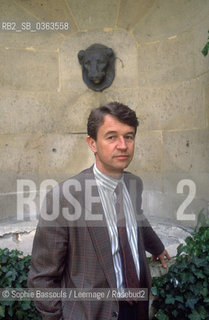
{"x": 78, "y": 254}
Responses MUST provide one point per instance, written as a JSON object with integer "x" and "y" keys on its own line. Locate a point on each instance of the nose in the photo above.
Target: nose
{"x": 122, "y": 144}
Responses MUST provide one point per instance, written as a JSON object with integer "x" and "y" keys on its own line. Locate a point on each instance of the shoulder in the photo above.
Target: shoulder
{"x": 80, "y": 177}
{"x": 128, "y": 177}
{"x": 75, "y": 183}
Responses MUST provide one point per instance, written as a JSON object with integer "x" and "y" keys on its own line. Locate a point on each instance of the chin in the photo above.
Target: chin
{"x": 123, "y": 165}
{"x": 121, "y": 168}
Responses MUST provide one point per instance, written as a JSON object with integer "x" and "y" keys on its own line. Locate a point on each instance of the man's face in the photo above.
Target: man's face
{"x": 114, "y": 147}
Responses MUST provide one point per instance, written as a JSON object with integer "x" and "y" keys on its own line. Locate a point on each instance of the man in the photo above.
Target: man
{"x": 79, "y": 242}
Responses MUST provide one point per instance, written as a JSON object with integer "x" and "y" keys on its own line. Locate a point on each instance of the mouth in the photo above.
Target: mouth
{"x": 96, "y": 80}
{"x": 122, "y": 157}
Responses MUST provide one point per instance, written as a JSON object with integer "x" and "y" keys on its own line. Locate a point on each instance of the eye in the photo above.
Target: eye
{"x": 111, "y": 137}
{"x": 87, "y": 65}
{"x": 102, "y": 65}
{"x": 129, "y": 137}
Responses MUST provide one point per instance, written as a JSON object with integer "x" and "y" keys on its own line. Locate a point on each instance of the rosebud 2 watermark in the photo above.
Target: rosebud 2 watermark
{"x": 75, "y": 200}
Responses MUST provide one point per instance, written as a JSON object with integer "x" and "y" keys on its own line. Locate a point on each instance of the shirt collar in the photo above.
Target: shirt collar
{"x": 106, "y": 181}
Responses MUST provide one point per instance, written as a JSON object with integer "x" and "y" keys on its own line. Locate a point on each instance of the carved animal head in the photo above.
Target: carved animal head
{"x": 97, "y": 63}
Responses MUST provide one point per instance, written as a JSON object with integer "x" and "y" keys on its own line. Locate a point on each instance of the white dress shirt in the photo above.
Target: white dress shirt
{"x": 106, "y": 186}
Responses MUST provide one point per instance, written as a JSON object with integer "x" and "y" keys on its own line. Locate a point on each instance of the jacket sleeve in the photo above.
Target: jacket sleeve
{"x": 48, "y": 260}
{"x": 152, "y": 242}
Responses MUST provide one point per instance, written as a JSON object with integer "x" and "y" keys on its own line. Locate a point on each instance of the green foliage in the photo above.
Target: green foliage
{"x": 183, "y": 293}
{"x": 13, "y": 274}
{"x": 206, "y": 48}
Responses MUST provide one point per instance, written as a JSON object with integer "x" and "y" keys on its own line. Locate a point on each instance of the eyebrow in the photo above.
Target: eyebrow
{"x": 115, "y": 132}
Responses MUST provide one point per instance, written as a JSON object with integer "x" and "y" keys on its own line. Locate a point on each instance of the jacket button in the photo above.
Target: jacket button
{"x": 114, "y": 314}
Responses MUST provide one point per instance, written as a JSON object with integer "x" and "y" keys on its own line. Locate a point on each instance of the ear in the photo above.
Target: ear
{"x": 81, "y": 54}
{"x": 92, "y": 144}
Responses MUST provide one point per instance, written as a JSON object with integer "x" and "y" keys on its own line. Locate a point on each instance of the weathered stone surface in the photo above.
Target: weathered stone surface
{"x": 23, "y": 112}
{"x": 167, "y": 18}
{"x": 148, "y": 152}
{"x": 33, "y": 71}
{"x": 125, "y": 96}
{"x": 31, "y": 41}
{"x": 121, "y": 43}
{"x": 22, "y": 242}
{"x": 18, "y": 161}
{"x": 17, "y": 156}
{"x": 171, "y": 180}
{"x": 165, "y": 205}
{"x": 10, "y": 226}
{"x": 188, "y": 202}
{"x": 161, "y": 198}
{"x": 8, "y": 202}
{"x": 63, "y": 155}
{"x": 10, "y": 11}
{"x": 171, "y": 235}
{"x": 200, "y": 180}
{"x": 159, "y": 204}
{"x": 12, "y": 198}
{"x": 29, "y": 112}
{"x": 94, "y": 14}
{"x": 132, "y": 11}
{"x": 166, "y": 61}
{"x": 151, "y": 181}
{"x": 48, "y": 11}
{"x": 186, "y": 151}
{"x": 74, "y": 115}
{"x": 15, "y": 205}
{"x": 173, "y": 106}
{"x": 156, "y": 268}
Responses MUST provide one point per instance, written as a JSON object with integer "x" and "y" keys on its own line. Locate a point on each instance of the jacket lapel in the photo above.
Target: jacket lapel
{"x": 101, "y": 242}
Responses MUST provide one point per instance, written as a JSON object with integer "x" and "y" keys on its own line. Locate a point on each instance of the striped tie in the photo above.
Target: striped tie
{"x": 129, "y": 270}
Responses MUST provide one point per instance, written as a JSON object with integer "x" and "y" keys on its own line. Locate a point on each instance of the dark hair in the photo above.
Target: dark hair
{"x": 118, "y": 110}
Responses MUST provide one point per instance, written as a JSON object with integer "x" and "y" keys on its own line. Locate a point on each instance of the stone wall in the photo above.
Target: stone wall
{"x": 160, "y": 73}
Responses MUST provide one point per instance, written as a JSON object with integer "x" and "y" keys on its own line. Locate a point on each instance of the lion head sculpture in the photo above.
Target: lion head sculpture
{"x": 98, "y": 68}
